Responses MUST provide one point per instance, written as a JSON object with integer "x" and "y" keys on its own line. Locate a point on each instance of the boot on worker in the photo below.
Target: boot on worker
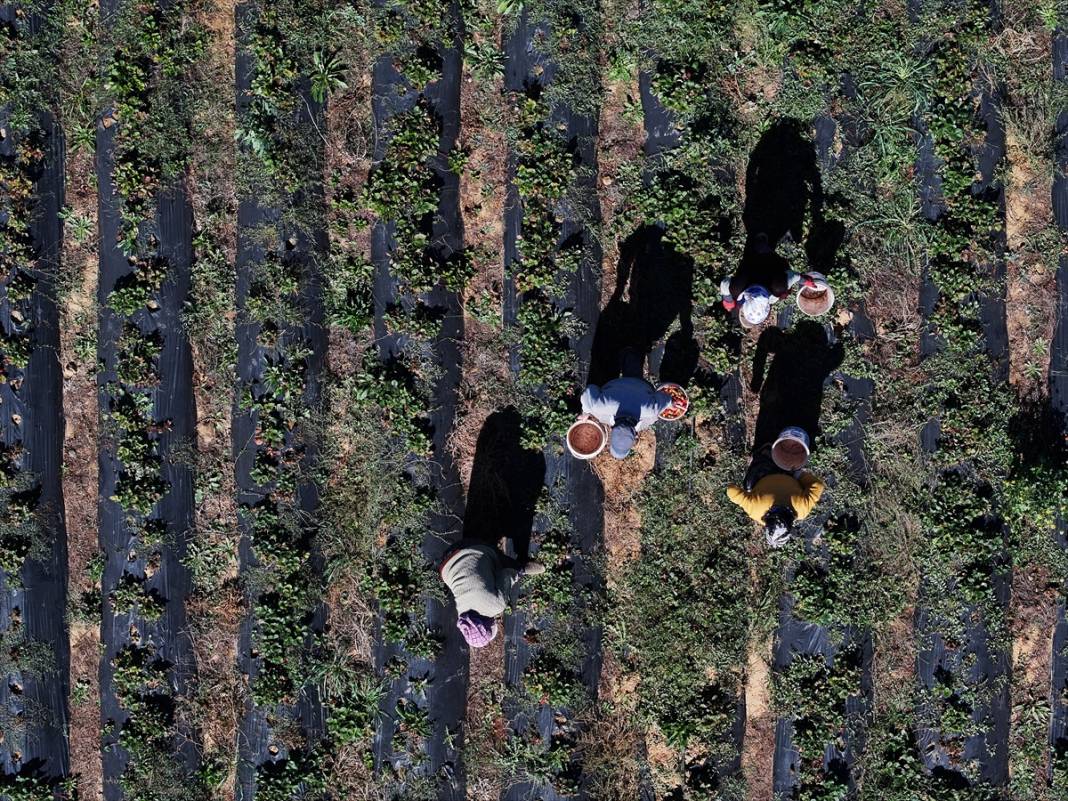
{"x": 627, "y": 405}
{"x": 480, "y": 577}
{"x": 778, "y": 496}
{"x": 763, "y": 279}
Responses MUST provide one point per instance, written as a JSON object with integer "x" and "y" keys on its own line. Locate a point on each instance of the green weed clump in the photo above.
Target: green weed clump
{"x": 685, "y": 605}
{"x": 815, "y": 696}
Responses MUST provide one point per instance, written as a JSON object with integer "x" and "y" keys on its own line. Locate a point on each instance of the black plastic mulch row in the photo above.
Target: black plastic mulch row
{"x": 173, "y": 411}
{"x": 447, "y": 697}
{"x": 1058, "y": 390}
{"x": 572, "y": 483}
{"x": 301, "y": 249}
{"x": 989, "y": 749}
{"x": 796, "y": 636}
{"x": 32, "y": 417}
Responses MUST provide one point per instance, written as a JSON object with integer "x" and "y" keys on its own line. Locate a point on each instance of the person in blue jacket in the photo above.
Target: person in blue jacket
{"x": 627, "y": 404}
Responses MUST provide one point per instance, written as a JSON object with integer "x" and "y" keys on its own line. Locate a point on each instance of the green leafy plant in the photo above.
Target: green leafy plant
{"x": 326, "y": 76}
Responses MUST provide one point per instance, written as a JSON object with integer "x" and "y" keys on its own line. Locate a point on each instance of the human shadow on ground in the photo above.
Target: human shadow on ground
{"x": 792, "y": 391}
{"x": 658, "y": 283}
{"x": 782, "y": 189}
{"x": 506, "y": 480}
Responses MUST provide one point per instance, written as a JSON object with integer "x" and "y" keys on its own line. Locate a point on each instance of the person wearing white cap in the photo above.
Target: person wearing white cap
{"x": 628, "y": 404}
{"x": 776, "y": 497}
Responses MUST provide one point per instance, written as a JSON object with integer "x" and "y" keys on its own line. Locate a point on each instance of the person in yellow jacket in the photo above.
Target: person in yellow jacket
{"x": 777, "y": 499}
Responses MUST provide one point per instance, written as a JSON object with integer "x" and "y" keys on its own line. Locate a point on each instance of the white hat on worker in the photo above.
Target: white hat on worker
{"x": 756, "y": 305}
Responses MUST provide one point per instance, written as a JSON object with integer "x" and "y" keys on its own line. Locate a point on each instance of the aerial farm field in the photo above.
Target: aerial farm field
{"x": 298, "y": 297}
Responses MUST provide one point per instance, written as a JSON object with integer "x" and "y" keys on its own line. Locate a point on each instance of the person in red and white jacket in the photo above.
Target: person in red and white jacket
{"x": 763, "y": 279}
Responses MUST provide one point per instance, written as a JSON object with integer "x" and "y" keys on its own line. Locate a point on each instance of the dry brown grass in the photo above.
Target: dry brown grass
{"x": 352, "y": 617}
{"x": 485, "y": 727}
{"x": 80, "y": 479}
{"x": 350, "y": 780}
{"x": 620, "y": 140}
{"x": 612, "y": 743}
{"x": 486, "y": 384}
{"x": 622, "y": 481}
{"x": 1023, "y": 50}
{"x": 84, "y": 744}
{"x": 1032, "y": 618}
{"x": 1031, "y": 264}
{"x": 219, "y": 705}
{"x": 758, "y": 745}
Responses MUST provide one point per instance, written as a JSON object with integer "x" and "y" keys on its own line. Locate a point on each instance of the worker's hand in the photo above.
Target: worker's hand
{"x": 729, "y": 303}
{"x": 808, "y": 280}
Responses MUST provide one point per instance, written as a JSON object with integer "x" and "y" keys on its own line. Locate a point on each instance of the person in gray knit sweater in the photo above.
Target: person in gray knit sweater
{"x": 480, "y": 578}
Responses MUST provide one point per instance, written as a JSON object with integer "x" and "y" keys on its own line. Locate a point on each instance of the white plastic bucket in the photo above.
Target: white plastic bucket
{"x": 580, "y": 427}
{"x": 818, "y": 300}
{"x": 790, "y": 450}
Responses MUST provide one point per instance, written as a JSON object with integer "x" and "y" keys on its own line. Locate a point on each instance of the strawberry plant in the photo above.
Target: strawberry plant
{"x": 151, "y": 49}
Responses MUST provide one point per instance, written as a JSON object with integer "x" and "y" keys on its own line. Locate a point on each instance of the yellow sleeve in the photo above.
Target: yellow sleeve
{"x": 811, "y": 490}
{"x": 754, "y": 505}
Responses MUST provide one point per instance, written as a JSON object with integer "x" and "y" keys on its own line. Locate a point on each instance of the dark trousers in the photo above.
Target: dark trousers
{"x": 761, "y": 465}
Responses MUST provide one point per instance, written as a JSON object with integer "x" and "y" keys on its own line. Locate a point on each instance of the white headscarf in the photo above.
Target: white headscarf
{"x": 756, "y": 305}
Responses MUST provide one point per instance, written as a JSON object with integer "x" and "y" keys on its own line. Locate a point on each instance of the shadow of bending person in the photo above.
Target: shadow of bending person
{"x": 654, "y": 287}
{"x": 784, "y": 197}
{"x": 506, "y": 480}
{"x": 791, "y": 393}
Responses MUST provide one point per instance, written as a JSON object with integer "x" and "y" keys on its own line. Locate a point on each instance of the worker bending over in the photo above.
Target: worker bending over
{"x": 763, "y": 279}
{"x": 776, "y": 498}
{"x": 480, "y": 578}
{"x": 628, "y": 404}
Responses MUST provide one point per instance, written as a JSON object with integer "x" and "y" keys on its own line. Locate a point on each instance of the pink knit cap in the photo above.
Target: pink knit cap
{"x": 477, "y": 629}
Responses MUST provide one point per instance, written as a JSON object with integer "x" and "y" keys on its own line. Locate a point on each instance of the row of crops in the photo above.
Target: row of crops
{"x": 285, "y": 293}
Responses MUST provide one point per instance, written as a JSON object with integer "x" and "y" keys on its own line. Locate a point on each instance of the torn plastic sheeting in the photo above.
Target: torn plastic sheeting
{"x": 661, "y": 132}
{"x": 1058, "y": 732}
{"x": 990, "y": 154}
{"x": 447, "y": 699}
{"x": 43, "y": 597}
{"x": 254, "y": 734}
{"x": 173, "y": 397}
{"x": 989, "y": 748}
{"x": 932, "y": 202}
{"x": 793, "y": 638}
{"x": 573, "y": 482}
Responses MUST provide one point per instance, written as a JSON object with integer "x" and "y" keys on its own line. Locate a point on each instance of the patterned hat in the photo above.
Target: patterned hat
{"x": 477, "y": 629}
